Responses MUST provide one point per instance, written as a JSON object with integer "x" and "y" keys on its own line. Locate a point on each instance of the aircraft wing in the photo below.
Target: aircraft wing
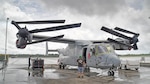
{"x": 100, "y": 41}
{"x": 61, "y": 40}
{"x": 117, "y": 45}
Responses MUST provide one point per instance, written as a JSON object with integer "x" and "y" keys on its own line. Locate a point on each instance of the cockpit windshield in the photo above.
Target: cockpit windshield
{"x": 101, "y": 49}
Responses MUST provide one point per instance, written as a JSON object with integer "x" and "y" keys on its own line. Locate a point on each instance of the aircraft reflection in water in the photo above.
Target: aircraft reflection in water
{"x": 98, "y": 54}
{"x": 25, "y": 36}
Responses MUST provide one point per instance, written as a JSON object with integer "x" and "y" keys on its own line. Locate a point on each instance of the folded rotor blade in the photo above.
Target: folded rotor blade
{"x": 56, "y": 28}
{"x": 114, "y": 41}
{"x": 47, "y": 39}
{"x": 41, "y": 22}
{"x": 15, "y": 24}
{"x": 115, "y": 33}
{"x": 123, "y": 30}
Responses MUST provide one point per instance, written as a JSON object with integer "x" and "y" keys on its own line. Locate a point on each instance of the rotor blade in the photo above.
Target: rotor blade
{"x": 15, "y": 24}
{"x": 115, "y": 33}
{"x": 47, "y": 39}
{"x": 112, "y": 40}
{"x": 56, "y": 28}
{"x": 123, "y": 30}
{"x": 41, "y": 22}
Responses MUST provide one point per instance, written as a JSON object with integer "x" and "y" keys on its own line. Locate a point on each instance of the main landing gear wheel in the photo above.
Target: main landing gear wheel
{"x": 61, "y": 66}
{"x": 111, "y": 73}
{"x": 87, "y": 69}
{"x": 125, "y": 67}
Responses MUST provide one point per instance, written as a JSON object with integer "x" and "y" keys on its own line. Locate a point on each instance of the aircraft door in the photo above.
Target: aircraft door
{"x": 84, "y": 54}
{"x": 94, "y": 56}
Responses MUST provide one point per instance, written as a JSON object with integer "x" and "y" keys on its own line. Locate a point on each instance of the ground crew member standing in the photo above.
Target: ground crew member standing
{"x": 80, "y": 67}
{"x": 29, "y": 63}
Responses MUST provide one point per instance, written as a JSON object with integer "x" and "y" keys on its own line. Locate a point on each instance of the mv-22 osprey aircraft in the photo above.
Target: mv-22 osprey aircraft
{"x": 25, "y": 36}
{"x": 97, "y": 54}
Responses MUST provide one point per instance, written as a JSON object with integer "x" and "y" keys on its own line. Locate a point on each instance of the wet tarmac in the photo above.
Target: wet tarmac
{"x": 17, "y": 73}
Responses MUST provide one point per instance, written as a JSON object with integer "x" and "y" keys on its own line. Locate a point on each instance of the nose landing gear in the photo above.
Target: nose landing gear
{"x": 111, "y": 71}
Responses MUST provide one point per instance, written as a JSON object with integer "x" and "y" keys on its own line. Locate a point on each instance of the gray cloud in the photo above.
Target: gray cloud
{"x": 87, "y": 7}
{"x": 92, "y": 13}
{"x": 146, "y": 4}
{"x": 131, "y": 15}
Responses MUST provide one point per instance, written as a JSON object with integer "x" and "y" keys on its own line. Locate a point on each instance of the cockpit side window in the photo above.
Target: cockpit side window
{"x": 101, "y": 49}
{"x": 109, "y": 48}
{"x": 93, "y": 51}
{"x": 105, "y": 49}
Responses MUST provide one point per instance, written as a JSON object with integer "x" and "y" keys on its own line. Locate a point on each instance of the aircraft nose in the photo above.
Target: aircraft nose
{"x": 116, "y": 61}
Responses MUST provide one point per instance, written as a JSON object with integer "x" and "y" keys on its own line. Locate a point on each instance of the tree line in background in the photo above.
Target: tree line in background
{"x": 135, "y": 55}
{"x": 2, "y": 56}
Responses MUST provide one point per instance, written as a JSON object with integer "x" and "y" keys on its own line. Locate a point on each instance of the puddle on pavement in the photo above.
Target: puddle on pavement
{"x": 47, "y": 74}
{"x": 50, "y": 73}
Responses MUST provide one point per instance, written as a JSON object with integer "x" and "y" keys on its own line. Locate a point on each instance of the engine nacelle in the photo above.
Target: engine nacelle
{"x": 21, "y": 43}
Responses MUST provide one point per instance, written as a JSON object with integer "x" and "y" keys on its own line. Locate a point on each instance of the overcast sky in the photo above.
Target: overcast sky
{"x": 93, "y": 14}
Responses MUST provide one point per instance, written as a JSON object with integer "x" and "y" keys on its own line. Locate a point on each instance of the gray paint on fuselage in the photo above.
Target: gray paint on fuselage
{"x": 106, "y": 59}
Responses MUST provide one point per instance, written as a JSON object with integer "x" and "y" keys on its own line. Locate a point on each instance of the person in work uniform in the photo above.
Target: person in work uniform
{"x": 81, "y": 64}
{"x": 29, "y": 62}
